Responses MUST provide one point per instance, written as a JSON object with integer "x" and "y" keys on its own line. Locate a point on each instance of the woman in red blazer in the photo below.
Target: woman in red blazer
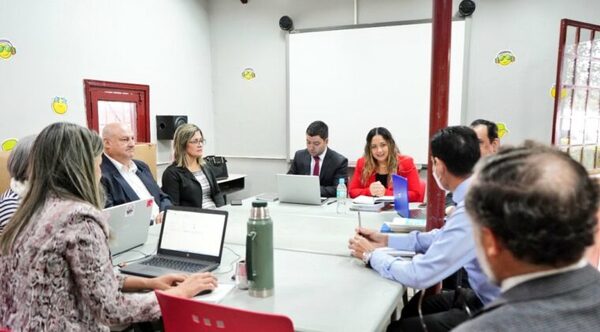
{"x": 381, "y": 159}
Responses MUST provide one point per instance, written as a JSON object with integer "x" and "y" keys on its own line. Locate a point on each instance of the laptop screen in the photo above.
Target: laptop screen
{"x": 401, "y": 195}
{"x": 194, "y": 232}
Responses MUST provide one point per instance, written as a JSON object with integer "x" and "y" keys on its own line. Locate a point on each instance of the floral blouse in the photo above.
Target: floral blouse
{"x": 59, "y": 275}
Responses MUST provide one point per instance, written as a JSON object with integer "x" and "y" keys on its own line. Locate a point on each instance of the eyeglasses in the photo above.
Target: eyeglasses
{"x": 197, "y": 141}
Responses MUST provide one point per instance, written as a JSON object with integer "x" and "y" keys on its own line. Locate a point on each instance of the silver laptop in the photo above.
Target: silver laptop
{"x": 129, "y": 224}
{"x": 300, "y": 189}
{"x": 191, "y": 240}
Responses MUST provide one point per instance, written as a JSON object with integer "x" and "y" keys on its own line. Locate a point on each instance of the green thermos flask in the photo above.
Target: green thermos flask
{"x": 259, "y": 251}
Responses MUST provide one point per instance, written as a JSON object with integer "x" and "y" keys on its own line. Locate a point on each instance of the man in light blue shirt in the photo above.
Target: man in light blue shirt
{"x": 441, "y": 252}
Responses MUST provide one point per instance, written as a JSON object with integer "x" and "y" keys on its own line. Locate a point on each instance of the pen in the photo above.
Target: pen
{"x": 359, "y": 221}
{"x": 331, "y": 201}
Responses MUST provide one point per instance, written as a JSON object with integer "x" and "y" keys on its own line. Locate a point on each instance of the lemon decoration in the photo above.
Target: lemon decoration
{"x": 502, "y": 129}
{"x": 248, "y": 74}
{"x": 6, "y": 49}
{"x": 59, "y": 105}
{"x": 563, "y": 92}
{"x": 9, "y": 144}
{"x": 505, "y": 58}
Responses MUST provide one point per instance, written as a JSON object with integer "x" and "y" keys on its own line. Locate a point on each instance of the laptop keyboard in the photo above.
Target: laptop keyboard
{"x": 174, "y": 264}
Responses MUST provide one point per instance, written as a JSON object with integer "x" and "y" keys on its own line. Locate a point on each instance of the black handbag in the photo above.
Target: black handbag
{"x": 218, "y": 165}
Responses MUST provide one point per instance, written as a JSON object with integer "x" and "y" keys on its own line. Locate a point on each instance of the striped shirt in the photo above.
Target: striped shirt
{"x": 207, "y": 202}
{"x": 9, "y": 202}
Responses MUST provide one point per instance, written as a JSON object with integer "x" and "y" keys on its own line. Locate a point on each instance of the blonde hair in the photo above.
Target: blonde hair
{"x": 62, "y": 165}
{"x": 371, "y": 163}
{"x": 183, "y": 134}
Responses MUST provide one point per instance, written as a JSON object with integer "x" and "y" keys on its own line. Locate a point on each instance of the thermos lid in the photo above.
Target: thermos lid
{"x": 259, "y": 204}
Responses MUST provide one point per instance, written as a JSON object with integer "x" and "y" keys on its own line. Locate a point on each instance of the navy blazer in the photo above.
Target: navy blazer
{"x": 118, "y": 191}
{"x": 183, "y": 188}
{"x": 335, "y": 166}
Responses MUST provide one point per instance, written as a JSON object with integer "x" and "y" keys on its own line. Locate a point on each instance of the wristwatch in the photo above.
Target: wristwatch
{"x": 366, "y": 257}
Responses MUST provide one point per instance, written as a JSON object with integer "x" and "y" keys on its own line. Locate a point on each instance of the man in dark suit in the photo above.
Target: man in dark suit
{"x": 534, "y": 212}
{"x": 317, "y": 159}
{"x": 125, "y": 179}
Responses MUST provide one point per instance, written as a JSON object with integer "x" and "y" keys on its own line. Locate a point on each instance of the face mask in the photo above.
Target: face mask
{"x": 437, "y": 179}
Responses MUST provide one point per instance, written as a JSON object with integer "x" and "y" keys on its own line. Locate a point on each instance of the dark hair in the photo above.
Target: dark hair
{"x": 370, "y": 163}
{"x": 492, "y": 128}
{"x": 63, "y": 166}
{"x": 318, "y": 128}
{"x": 457, "y": 147}
{"x": 538, "y": 201}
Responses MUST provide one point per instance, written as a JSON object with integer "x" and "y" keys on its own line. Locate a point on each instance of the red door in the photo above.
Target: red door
{"x": 125, "y": 103}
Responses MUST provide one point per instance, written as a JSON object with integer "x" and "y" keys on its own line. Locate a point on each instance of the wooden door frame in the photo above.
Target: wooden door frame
{"x": 143, "y": 115}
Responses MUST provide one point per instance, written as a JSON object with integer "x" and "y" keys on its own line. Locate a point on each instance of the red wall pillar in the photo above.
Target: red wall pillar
{"x": 438, "y": 100}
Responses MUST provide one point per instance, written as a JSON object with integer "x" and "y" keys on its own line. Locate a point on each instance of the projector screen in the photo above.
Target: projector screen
{"x": 360, "y": 78}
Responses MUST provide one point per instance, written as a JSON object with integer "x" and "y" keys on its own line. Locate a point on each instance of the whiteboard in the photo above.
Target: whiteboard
{"x": 361, "y": 78}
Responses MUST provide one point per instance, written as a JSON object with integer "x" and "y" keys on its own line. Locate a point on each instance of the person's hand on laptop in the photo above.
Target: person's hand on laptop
{"x": 159, "y": 218}
{"x": 377, "y": 189}
{"x": 194, "y": 284}
{"x": 167, "y": 281}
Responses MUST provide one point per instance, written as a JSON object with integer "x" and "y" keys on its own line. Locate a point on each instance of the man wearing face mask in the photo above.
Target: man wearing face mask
{"x": 441, "y": 252}
{"x": 534, "y": 212}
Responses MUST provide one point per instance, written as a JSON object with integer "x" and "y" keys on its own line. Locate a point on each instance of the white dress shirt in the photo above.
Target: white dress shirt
{"x": 134, "y": 181}
{"x": 312, "y": 162}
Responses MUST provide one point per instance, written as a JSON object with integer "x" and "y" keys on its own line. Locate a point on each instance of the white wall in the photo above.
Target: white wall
{"x": 192, "y": 53}
{"x": 520, "y": 94}
{"x": 250, "y": 116}
{"x": 162, "y": 43}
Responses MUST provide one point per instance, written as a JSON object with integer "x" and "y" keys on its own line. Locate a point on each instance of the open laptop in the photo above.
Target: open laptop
{"x": 191, "y": 240}
{"x": 401, "y": 199}
{"x": 299, "y": 189}
{"x": 129, "y": 224}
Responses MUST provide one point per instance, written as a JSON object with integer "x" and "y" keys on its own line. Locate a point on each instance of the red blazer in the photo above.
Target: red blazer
{"x": 406, "y": 168}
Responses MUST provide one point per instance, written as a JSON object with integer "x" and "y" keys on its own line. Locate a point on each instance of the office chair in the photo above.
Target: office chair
{"x": 181, "y": 314}
{"x": 422, "y": 189}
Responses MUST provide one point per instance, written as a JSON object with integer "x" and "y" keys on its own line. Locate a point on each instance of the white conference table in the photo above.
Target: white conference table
{"x": 319, "y": 292}
{"x": 309, "y": 228}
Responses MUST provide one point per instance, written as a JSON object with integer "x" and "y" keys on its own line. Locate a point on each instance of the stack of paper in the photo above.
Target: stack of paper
{"x": 269, "y": 197}
{"x": 367, "y": 207}
{"x": 373, "y": 200}
{"x": 367, "y": 203}
{"x": 400, "y": 224}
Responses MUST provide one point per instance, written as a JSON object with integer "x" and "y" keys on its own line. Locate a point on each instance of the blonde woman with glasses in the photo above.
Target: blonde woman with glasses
{"x": 55, "y": 266}
{"x": 189, "y": 181}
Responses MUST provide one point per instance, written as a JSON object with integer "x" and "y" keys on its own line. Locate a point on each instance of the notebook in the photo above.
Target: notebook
{"x": 401, "y": 199}
{"x": 191, "y": 240}
{"x": 299, "y": 189}
{"x": 129, "y": 224}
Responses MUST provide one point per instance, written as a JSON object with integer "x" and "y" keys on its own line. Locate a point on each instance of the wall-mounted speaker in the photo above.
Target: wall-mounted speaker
{"x": 166, "y": 125}
{"x": 286, "y": 23}
{"x": 466, "y": 8}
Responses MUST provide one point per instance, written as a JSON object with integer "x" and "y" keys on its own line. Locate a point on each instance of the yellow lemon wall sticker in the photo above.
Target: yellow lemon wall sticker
{"x": 59, "y": 105}
{"x": 505, "y": 58}
{"x": 502, "y": 129}
{"x": 6, "y": 49}
{"x": 248, "y": 74}
{"x": 9, "y": 144}
{"x": 563, "y": 92}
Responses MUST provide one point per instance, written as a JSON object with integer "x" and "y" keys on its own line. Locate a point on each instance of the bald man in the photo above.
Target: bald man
{"x": 124, "y": 178}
